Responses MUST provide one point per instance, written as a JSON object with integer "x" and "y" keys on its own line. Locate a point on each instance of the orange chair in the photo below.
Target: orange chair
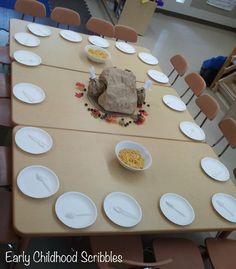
{"x": 208, "y": 106}
{"x": 5, "y": 166}
{"x": 129, "y": 246}
{"x": 5, "y": 91}
{"x": 228, "y": 128}
{"x": 100, "y": 27}
{"x": 5, "y": 112}
{"x": 67, "y": 16}
{"x": 221, "y": 252}
{"x": 30, "y": 7}
{"x": 184, "y": 253}
{"x": 180, "y": 65}
{"x": 125, "y": 33}
{"x": 196, "y": 83}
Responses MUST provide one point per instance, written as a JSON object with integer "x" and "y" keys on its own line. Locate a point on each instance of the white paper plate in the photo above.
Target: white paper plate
{"x": 76, "y": 210}
{"x": 71, "y": 36}
{"x": 174, "y": 102}
{"x": 33, "y": 140}
{"x": 38, "y": 181}
{"x": 39, "y": 29}
{"x": 122, "y": 209}
{"x": 158, "y": 76}
{"x": 215, "y": 169}
{"x": 28, "y": 93}
{"x": 225, "y": 205}
{"x": 177, "y": 209}
{"x": 148, "y": 58}
{"x": 125, "y": 47}
{"x": 27, "y": 39}
{"x": 27, "y": 58}
{"x": 98, "y": 41}
{"x": 192, "y": 130}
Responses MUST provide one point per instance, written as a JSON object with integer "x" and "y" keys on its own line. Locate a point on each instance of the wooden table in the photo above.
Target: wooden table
{"x": 86, "y": 162}
{"x": 61, "y": 109}
{"x": 58, "y": 52}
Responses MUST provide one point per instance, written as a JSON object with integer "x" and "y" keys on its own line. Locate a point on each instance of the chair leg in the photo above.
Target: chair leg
{"x": 223, "y": 151}
{"x": 68, "y": 27}
{"x": 33, "y": 19}
{"x": 218, "y": 141}
{"x": 223, "y": 234}
{"x": 174, "y": 80}
{"x": 22, "y": 16}
{"x": 203, "y": 122}
{"x": 184, "y": 93}
{"x": 57, "y": 24}
{"x": 171, "y": 72}
{"x": 190, "y": 99}
{"x": 197, "y": 115}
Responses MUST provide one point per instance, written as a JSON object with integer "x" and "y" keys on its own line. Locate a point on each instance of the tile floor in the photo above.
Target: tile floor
{"x": 165, "y": 37}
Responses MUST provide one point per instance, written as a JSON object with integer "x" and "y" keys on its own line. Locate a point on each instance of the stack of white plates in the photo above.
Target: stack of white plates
{"x": 125, "y": 47}
{"x": 174, "y": 102}
{"x": 27, "y": 39}
{"x": 27, "y": 58}
{"x": 71, "y": 36}
{"x": 98, "y": 41}
{"x": 148, "y": 58}
{"x": 158, "y": 76}
{"x": 39, "y": 29}
{"x": 192, "y": 130}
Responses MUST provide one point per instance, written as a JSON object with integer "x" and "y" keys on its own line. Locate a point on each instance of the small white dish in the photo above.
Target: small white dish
{"x": 158, "y": 76}
{"x": 174, "y": 102}
{"x": 126, "y": 144}
{"x": 38, "y": 181}
{"x": 39, "y": 29}
{"x": 76, "y": 210}
{"x": 225, "y": 205}
{"x": 33, "y": 140}
{"x": 125, "y": 47}
{"x": 29, "y": 93}
{"x": 177, "y": 209}
{"x": 122, "y": 209}
{"x": 192, "y": 130}
{"x": 27, "y": 39}
{"x": 148, "y": 58}
{"x": 71, "y": 36}
{"x": 93, "y": 57}
{"x": 98, "y": 41}
{"x": 27, "y": 58}
{"x": 215, "y": 169}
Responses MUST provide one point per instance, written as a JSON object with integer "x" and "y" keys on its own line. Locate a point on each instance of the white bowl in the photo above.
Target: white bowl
{"x": 126, "y": 144}
{"x": 95, "y": 59}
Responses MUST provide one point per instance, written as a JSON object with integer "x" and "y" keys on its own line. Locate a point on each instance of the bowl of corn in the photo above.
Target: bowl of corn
{"x": 97, "y": 54}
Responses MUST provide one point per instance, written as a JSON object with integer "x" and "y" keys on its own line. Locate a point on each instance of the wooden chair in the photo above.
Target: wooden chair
{"x": 129, "y": 246}
{"x": 5, "y": 112}
{"x": 5, "y": 91}
{"x": 228, "y": 128}
{"x": 30, "y": 7}
{"x": 180, "y": 65}
{"x": 208, "y": 106}
{"x": 196, "y": 83}
{"x": 100, "y": 27}
{"x": 5, "y": 166}
{"x": 184, "y": 253}
{"x": 125, "y": 33}
{"x": 66, "y": 16}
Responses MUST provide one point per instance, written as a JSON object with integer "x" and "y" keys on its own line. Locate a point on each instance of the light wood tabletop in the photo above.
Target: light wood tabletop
{"x": 86, "y": 162}
{"x": 61, "y": 109}
{"x": 58, "y": 52}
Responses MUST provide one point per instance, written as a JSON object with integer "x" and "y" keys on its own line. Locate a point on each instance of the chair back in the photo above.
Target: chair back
{"x": 65, "y": 16}
{"x": 228, "y": 128}
{"x": 195, "y": 82}
{"x": 126, "y": 33}
{"x": 179, "y": 63}
{"x": 100, "y": 27}
{"x": 208, "y": 105}
{"x": 31, "y": 8}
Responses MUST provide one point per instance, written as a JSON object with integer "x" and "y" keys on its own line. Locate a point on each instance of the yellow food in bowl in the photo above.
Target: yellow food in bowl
{"x": 100, "y": 54}
{"x": 132, "y": 158}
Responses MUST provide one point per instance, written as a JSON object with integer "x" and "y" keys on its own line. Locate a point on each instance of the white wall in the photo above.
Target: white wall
{"x": 186, "y": 9}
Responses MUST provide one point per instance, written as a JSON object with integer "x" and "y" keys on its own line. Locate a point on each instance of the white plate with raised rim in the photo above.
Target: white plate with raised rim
{"x": 39, "y": 29}
{"x": 125, "y": 47}
{"x": 215, "y": 169}
{"x": 33, "y": 140}
{"x": 38, "y": 181}
{"x": 27, "y": 39}
{"x": 225, "y": 205}
{"x": 76, "y": 210}
{"x": 174, "y": 102}
{"x": 177, "y": 209}
{"x": 148, "y": 58}
{"x": 27, "y": 58}
{"x": 29, "y": 93}
{"x": 122, "y": 209}
{"x": 98, "y": 41}
{"x": 158, "y": 76}
{"x": 71, "y": 36}
{"x": 192, "y": 130}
